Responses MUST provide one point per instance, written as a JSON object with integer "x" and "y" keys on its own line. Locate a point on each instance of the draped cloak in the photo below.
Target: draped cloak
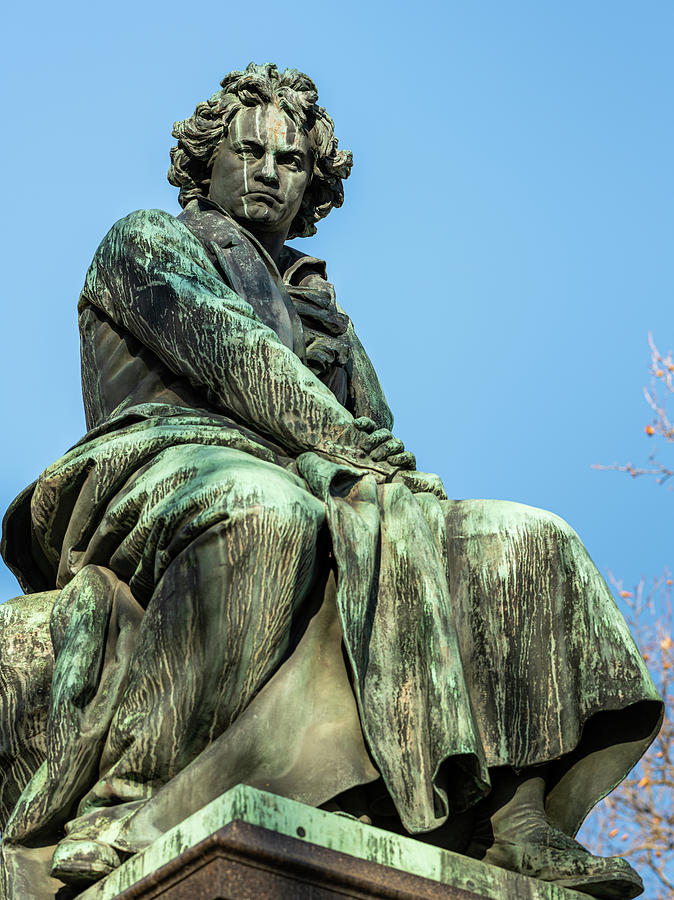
{"x": 476, "y": 633}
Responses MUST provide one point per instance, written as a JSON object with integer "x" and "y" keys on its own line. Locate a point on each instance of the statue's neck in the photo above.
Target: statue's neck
{"x": 269, "y": 249}
{"x": 272, "y": 242}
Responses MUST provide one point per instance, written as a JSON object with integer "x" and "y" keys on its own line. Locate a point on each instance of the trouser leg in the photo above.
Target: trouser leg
{"x": 216, "y": 628}
{"x": 553, "y": 673}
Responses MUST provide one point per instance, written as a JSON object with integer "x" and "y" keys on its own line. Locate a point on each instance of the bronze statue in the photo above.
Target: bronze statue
{"x": 245, "y": 579}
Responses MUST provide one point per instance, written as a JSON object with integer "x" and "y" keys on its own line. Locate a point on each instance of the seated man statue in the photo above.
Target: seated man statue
{"x": 240, "y": 577}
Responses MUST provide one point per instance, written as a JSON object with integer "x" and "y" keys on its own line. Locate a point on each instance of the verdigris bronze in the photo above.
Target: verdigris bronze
{"x": 241, "y": 577}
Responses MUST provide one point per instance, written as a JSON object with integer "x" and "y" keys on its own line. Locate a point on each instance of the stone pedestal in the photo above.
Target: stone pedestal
{"x": 244, "y": 862}
{"x": 249, "y": 845}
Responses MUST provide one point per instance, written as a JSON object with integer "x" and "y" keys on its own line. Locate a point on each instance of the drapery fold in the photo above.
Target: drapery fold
{"x": 477, "y": 633}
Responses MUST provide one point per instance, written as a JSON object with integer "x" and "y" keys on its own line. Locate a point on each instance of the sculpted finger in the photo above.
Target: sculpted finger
{"x": 404, "y": 460}
{"x": 362, "y": 423}
{"x": 421, "y": 483}
{"x": 380, "y": 436}
{"x": 387, "y": 449}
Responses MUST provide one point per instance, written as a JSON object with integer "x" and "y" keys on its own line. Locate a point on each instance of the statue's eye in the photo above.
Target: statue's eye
{"x": 250, "y": 151}
{"x": 291, "y": 160}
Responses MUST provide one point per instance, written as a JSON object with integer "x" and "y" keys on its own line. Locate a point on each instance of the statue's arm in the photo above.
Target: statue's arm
{"x": 365, "y": 395}
{"x": 366, "y": 398}
{"x": 152, "y": 277}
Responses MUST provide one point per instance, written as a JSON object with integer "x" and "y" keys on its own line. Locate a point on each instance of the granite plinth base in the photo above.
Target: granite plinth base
{"x": 245, "y": 862}
{"x": 251, "y": 844}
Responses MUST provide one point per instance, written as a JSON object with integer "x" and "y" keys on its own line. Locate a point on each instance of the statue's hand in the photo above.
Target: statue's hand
{"x": 382, "y": 446}
{"x": 422, "y": 483}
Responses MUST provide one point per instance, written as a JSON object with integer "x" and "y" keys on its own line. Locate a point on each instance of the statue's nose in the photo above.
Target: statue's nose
{"x": 269, "y": 174}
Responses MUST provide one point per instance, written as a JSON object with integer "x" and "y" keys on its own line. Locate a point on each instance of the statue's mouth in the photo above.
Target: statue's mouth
{"x": 269, "y": 199}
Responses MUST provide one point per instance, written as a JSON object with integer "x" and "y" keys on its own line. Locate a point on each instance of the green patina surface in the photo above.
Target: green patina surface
{"x": 242, "y": 578}
{"x": 290, "y": 818}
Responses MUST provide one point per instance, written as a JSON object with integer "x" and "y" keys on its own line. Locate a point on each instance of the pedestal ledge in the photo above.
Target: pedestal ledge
{"x": 250, "y": 844}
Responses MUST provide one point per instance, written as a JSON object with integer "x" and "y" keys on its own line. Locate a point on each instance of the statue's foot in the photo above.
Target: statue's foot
{"x": 551, "y": 855}
{"x": 366, "y": 820}
{"x": 334, "y": 807}
{"x": 82, "y": 862}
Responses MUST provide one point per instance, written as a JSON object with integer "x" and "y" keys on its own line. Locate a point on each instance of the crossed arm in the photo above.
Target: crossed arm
{"x": 153, "y": 277}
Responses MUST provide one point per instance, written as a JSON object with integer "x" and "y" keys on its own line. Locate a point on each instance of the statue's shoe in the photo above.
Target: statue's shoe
{"x": 84, "y": 861}
{"x": 366, "y": 820}
{"x": 555, "y": 857}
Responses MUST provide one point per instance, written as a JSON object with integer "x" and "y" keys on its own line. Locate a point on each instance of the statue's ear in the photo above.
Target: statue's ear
{"x": 303, "y": 223}
{"x": 308, "y": 192}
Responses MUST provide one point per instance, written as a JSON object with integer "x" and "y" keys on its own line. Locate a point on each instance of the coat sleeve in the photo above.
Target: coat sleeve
{"x": 365, "y": 396}
{"x": 151, "y": 276}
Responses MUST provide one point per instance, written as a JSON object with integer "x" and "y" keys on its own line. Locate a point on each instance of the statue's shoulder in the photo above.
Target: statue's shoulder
{"x": 147, "y": 223}
{"x": 142, "y": 234}
{"x": 143, "y": 240}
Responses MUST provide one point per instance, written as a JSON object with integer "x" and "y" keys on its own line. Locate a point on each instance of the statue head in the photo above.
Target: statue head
{"x": 268, "y": 122}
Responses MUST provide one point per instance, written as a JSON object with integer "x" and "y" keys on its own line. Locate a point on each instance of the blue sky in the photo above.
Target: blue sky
{"x": 504, "y": 248}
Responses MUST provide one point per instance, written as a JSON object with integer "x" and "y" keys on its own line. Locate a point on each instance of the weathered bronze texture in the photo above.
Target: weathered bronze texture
{"x": 196, "y": 845}
{"x": 238, "y": 576}
{"x": 244, "y": 862}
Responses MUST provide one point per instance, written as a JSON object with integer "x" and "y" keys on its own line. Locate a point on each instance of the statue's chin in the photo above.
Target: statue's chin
{"x": 257, "y": 215}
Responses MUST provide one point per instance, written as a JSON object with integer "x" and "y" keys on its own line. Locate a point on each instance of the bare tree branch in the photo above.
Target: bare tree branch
{"x": 637, "y": 819}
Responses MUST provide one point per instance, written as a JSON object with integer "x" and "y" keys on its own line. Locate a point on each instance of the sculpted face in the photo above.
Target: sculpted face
{"x": 261, "y": 170}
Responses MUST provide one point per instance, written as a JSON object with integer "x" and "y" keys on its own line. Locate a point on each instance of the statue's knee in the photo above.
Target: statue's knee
{"x": 279, "y": 519}
{"x": 551, "y": 524}
{"x": 514, "y": 518}
{"x": 509, "y": 530}
{"x": 273, "y": 503}
{"x": 26, "y": 665}
{"x": 26, "y": 654}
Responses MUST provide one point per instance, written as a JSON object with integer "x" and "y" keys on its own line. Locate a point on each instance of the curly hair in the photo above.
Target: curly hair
{"x": 293, "y": 92}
